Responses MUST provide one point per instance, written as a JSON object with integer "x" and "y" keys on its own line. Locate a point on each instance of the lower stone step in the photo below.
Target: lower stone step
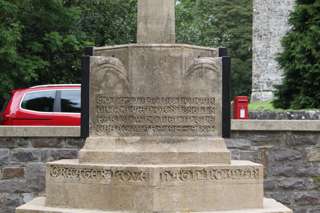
{"x": 38, "y": 206}
{"x": 158, "y": 188}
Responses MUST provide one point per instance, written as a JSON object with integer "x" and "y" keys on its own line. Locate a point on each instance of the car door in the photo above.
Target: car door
{"x": 36, "y": 108}
{"x": 68, "y": 107}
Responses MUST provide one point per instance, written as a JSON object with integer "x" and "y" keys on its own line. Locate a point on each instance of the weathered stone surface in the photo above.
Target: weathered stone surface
{"x": 286, "y": 154}
{"x": 35, "y": 173}
{"x": 312, "y": 198}
{"x": 300, "y": 139}
{"x": 250, "y": 155}
{"x": 21, "y": 180}
{"x": 8, "y": 201}
{"x": 242, "y": 144}
{"x": 314, "y": 210}
{"x": 38, "y": 131}
{"x": 27, "y": 197}
{"x": 12, "y": 142}
{"x": 48, "y": 155}
{"x": 11, "y": 172}
{"x": 287, "y": 115}
{"x": 158, "y": 188}
{"x": 155, "y": 93}
{"x": 154, "y": 150}
{"x": 13, "y": 186}
{"x": 4, "y": 156}
{"x": 76, "y": 143}
{"x": 290, "y": 177}
{"x": 294, "y": 183}
{"x": 38, "y": 205}
{"x": 299, "y": 169}
{"x": 25, "y": 155}
{"x": 156, "y": 21}
{"x": 151, "y": 102}
{"x": 271, "y": 125}
{"x": 270, "y": 24}
{"x": 313, "y": 154}
{"x": 42, "y": 143}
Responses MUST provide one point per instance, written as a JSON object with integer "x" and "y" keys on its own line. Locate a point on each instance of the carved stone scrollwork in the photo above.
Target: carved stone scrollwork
{"x": 101, "y": 175}
{"x": 208, "y": 175}
{"x": 202, "y": 77}
{"x": 112, "y": 77}
{"x": 201, "y": 67}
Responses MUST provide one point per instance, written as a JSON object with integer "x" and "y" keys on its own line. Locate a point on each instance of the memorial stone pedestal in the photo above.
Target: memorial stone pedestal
{"x": 157, "y": 115}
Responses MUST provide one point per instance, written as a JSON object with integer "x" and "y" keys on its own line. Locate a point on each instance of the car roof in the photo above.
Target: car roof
{"x": 56, "y": 85}
{"x": 48, "y": 86}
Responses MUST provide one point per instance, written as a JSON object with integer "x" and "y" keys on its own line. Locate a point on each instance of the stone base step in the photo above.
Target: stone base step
{"x": 154, "y": 150}
{"x": 160, "y": 188}
{"x": 38, "y": 206}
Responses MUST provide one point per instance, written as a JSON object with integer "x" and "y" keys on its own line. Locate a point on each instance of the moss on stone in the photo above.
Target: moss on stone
{"x": 316, "y": 180}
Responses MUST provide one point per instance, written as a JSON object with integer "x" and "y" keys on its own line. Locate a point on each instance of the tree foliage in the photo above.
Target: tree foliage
{"x": 108, "y": 22}
{"x": 300, "y": 59}
{"x": 41, "y": 41}
{"x": 220, "y": 23}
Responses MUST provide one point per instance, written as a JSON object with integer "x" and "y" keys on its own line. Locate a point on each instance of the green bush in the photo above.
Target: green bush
{"x": 300, "y": 59}
{"x": 220, "y": 23}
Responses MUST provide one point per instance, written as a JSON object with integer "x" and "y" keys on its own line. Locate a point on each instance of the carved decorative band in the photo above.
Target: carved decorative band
{"x": 136, "y": 176}
{"x": 98, "y": 175}
{"x": 191, "y": 175}
{"x": 142, "y": 130}
{"x": 159, "y": 101}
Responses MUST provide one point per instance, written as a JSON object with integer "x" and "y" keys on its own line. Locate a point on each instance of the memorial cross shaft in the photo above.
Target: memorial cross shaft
{"x": 156, "y": 21}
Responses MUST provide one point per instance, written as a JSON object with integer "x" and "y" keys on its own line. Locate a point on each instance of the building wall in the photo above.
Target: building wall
{"x": 270, "y": 24}
{"x": 291, "y": 159}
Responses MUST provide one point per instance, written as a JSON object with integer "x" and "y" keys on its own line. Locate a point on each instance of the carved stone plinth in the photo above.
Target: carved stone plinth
{"x": 154, "y": 188}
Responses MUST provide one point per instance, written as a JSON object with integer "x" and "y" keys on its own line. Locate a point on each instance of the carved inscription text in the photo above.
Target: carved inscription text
{"x": 128, "y": 116}
{"x": 101, "y": 175}
{"x": 187, "y": 175}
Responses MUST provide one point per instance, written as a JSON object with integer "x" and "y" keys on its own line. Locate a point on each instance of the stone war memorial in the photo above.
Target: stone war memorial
{"x": 156, "y": 114}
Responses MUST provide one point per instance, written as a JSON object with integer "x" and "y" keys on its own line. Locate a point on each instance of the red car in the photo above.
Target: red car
{"x": 47, "y": 105}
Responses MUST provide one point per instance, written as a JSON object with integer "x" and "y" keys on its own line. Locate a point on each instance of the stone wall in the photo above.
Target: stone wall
{"x": 291, "y": 158}
{"x": 270, "y": 24}
{"x": 22, "y": 166}
{"x": 292, "y": 164}
{"x": 286, "y": 115}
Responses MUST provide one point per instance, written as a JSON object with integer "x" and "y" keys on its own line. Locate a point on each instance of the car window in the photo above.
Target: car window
{"x": 70, "y": 101}
{"x": 41, "y": 101}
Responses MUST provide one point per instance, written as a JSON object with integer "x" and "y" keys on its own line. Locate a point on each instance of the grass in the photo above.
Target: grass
{"x": 267, "y": 106}
{"x": 263, "y": 106}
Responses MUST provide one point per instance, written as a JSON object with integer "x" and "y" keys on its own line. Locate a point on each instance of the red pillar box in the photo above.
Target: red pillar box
{"x": 240, "y": 107}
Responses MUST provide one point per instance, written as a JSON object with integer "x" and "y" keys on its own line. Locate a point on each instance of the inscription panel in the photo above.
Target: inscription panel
{"x": 135, "y": 176}
{"x": 98, "y": 175}
{"x": 138, "y": 116}
{"x": 208, "y": 174}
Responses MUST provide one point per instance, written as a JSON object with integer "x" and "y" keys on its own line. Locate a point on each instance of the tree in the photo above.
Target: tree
{"x": 108, "y": 22}
{"x": 221, "y": 23}
{"x": 39, "y": 43}
{"x": 10, "y": 35}
{"x": 300, "y": 59}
